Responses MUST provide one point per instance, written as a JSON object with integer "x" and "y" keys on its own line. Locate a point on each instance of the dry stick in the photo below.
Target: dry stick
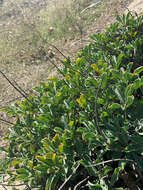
{"x": 4, "y": 187}
{"x": 45, "y": 41}
{"x": 91, "y": 6}
{"x": 55, "y": 65}
{"x": 17, "y": 98}
{"x": 57, "y": 50}
{"x": 20, "y": 88}
{"x": 68, "y": 178}
{"x": 15, "y": 87}
{"x": 75, "y": 188}
{"x": 14, "y": 99}
{"x": 16, "y": 185}
{"x": 5, "y": 121}
{"x": 108, "y": 161}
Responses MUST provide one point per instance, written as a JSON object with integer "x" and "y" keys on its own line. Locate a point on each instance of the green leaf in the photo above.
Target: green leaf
{"x": 115, "y": 176}
{"x": 139, "y": 161}
{"x": 22, "y": 177}
{"x": 138, "y": 83}
{"x": 130, "y": 100}
{"x": 88, "y": 136}
{"x": 138, "y": 70}
{"x": 22, "y": 171}
{"x": 41, "y": 168}
{"x": 100, "y": 101}
{"x": 15, "y": 162}
{"x": 119, "y": 95}
{"x": 118, "y": 18}
{"x": 115, "y": 106}
{"x": 94, "y": 186}
{"x": 59, "y": 130}
{"x": 87, "y": 162}
{"x": 52, "y": 181}
{"x": 129, "y": 90}
{"x": 103, "y": 185}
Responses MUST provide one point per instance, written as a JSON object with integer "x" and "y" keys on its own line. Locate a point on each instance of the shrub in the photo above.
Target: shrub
{"x": 84, "y": 130}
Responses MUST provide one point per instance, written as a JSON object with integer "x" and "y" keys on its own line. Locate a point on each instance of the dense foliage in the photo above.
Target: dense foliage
{"x": 85, "y": 130}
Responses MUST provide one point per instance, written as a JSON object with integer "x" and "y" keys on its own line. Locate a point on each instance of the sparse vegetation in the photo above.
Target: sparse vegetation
{"x": 84, "y": 130}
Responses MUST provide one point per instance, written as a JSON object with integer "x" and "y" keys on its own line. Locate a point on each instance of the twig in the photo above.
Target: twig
{"x": 57, "y": 50}
{"x": 15, "y": 87}
{"x": 75, "y": 188}
{"x": 20, "y": 88}
{"x": 14, "y": 99}
{"x": 8, "y": 122}
{"x": 108, "y": 161}
{"x": 91, "y": 6}
{"x": 4, "y": 187}
{"x": 4, "y": 106}
{"x": 68, "y": 178}
{"x": 45, "y": 41}
{"x": 16, "y": 185}
{"x": 55, "y": 65}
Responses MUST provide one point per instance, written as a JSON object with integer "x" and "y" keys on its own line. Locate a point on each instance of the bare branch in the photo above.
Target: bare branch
{"x": 5, "y": 121}
{"x": 55, "y": 66}
{"x": 20, "y": 88}
{"x": 108, "y": 161}
{"x": 15, "y": 86}
{"x": 75, "y": 188}
{"x": 69, "y": 177}
{"x": 16, "y": 185}
{"x": 91, "y": 6}
{"x": 4, "y": 187}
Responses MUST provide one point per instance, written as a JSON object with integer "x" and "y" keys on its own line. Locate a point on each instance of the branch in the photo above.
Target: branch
{"x": 91, "y": 6}
{"x": 55, "y": 66}
{"x": 15, "y": 86}
{"x": 75, "y": 188}
{"x": 20, "y": 88}
{"x": 17, "y": 185}
{"x": 108, "y": 161}
{"x": 68, "y": 178}
{"x": 4, "y": 187}
{"x": 45, "y": 41}
{"x": 5, "y": 121}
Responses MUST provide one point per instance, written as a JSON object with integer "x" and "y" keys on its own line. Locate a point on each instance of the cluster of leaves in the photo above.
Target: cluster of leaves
{"x": 85, "y": 130}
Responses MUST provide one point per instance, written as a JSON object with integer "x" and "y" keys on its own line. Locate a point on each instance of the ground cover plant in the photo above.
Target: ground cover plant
{"x": 84, "y": 130}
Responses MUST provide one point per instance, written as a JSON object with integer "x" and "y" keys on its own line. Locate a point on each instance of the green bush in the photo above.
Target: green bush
{"x": 85, "y": 130}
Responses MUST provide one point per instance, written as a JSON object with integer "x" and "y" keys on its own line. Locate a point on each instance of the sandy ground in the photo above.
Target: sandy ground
{"x": 136, "y": 6}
